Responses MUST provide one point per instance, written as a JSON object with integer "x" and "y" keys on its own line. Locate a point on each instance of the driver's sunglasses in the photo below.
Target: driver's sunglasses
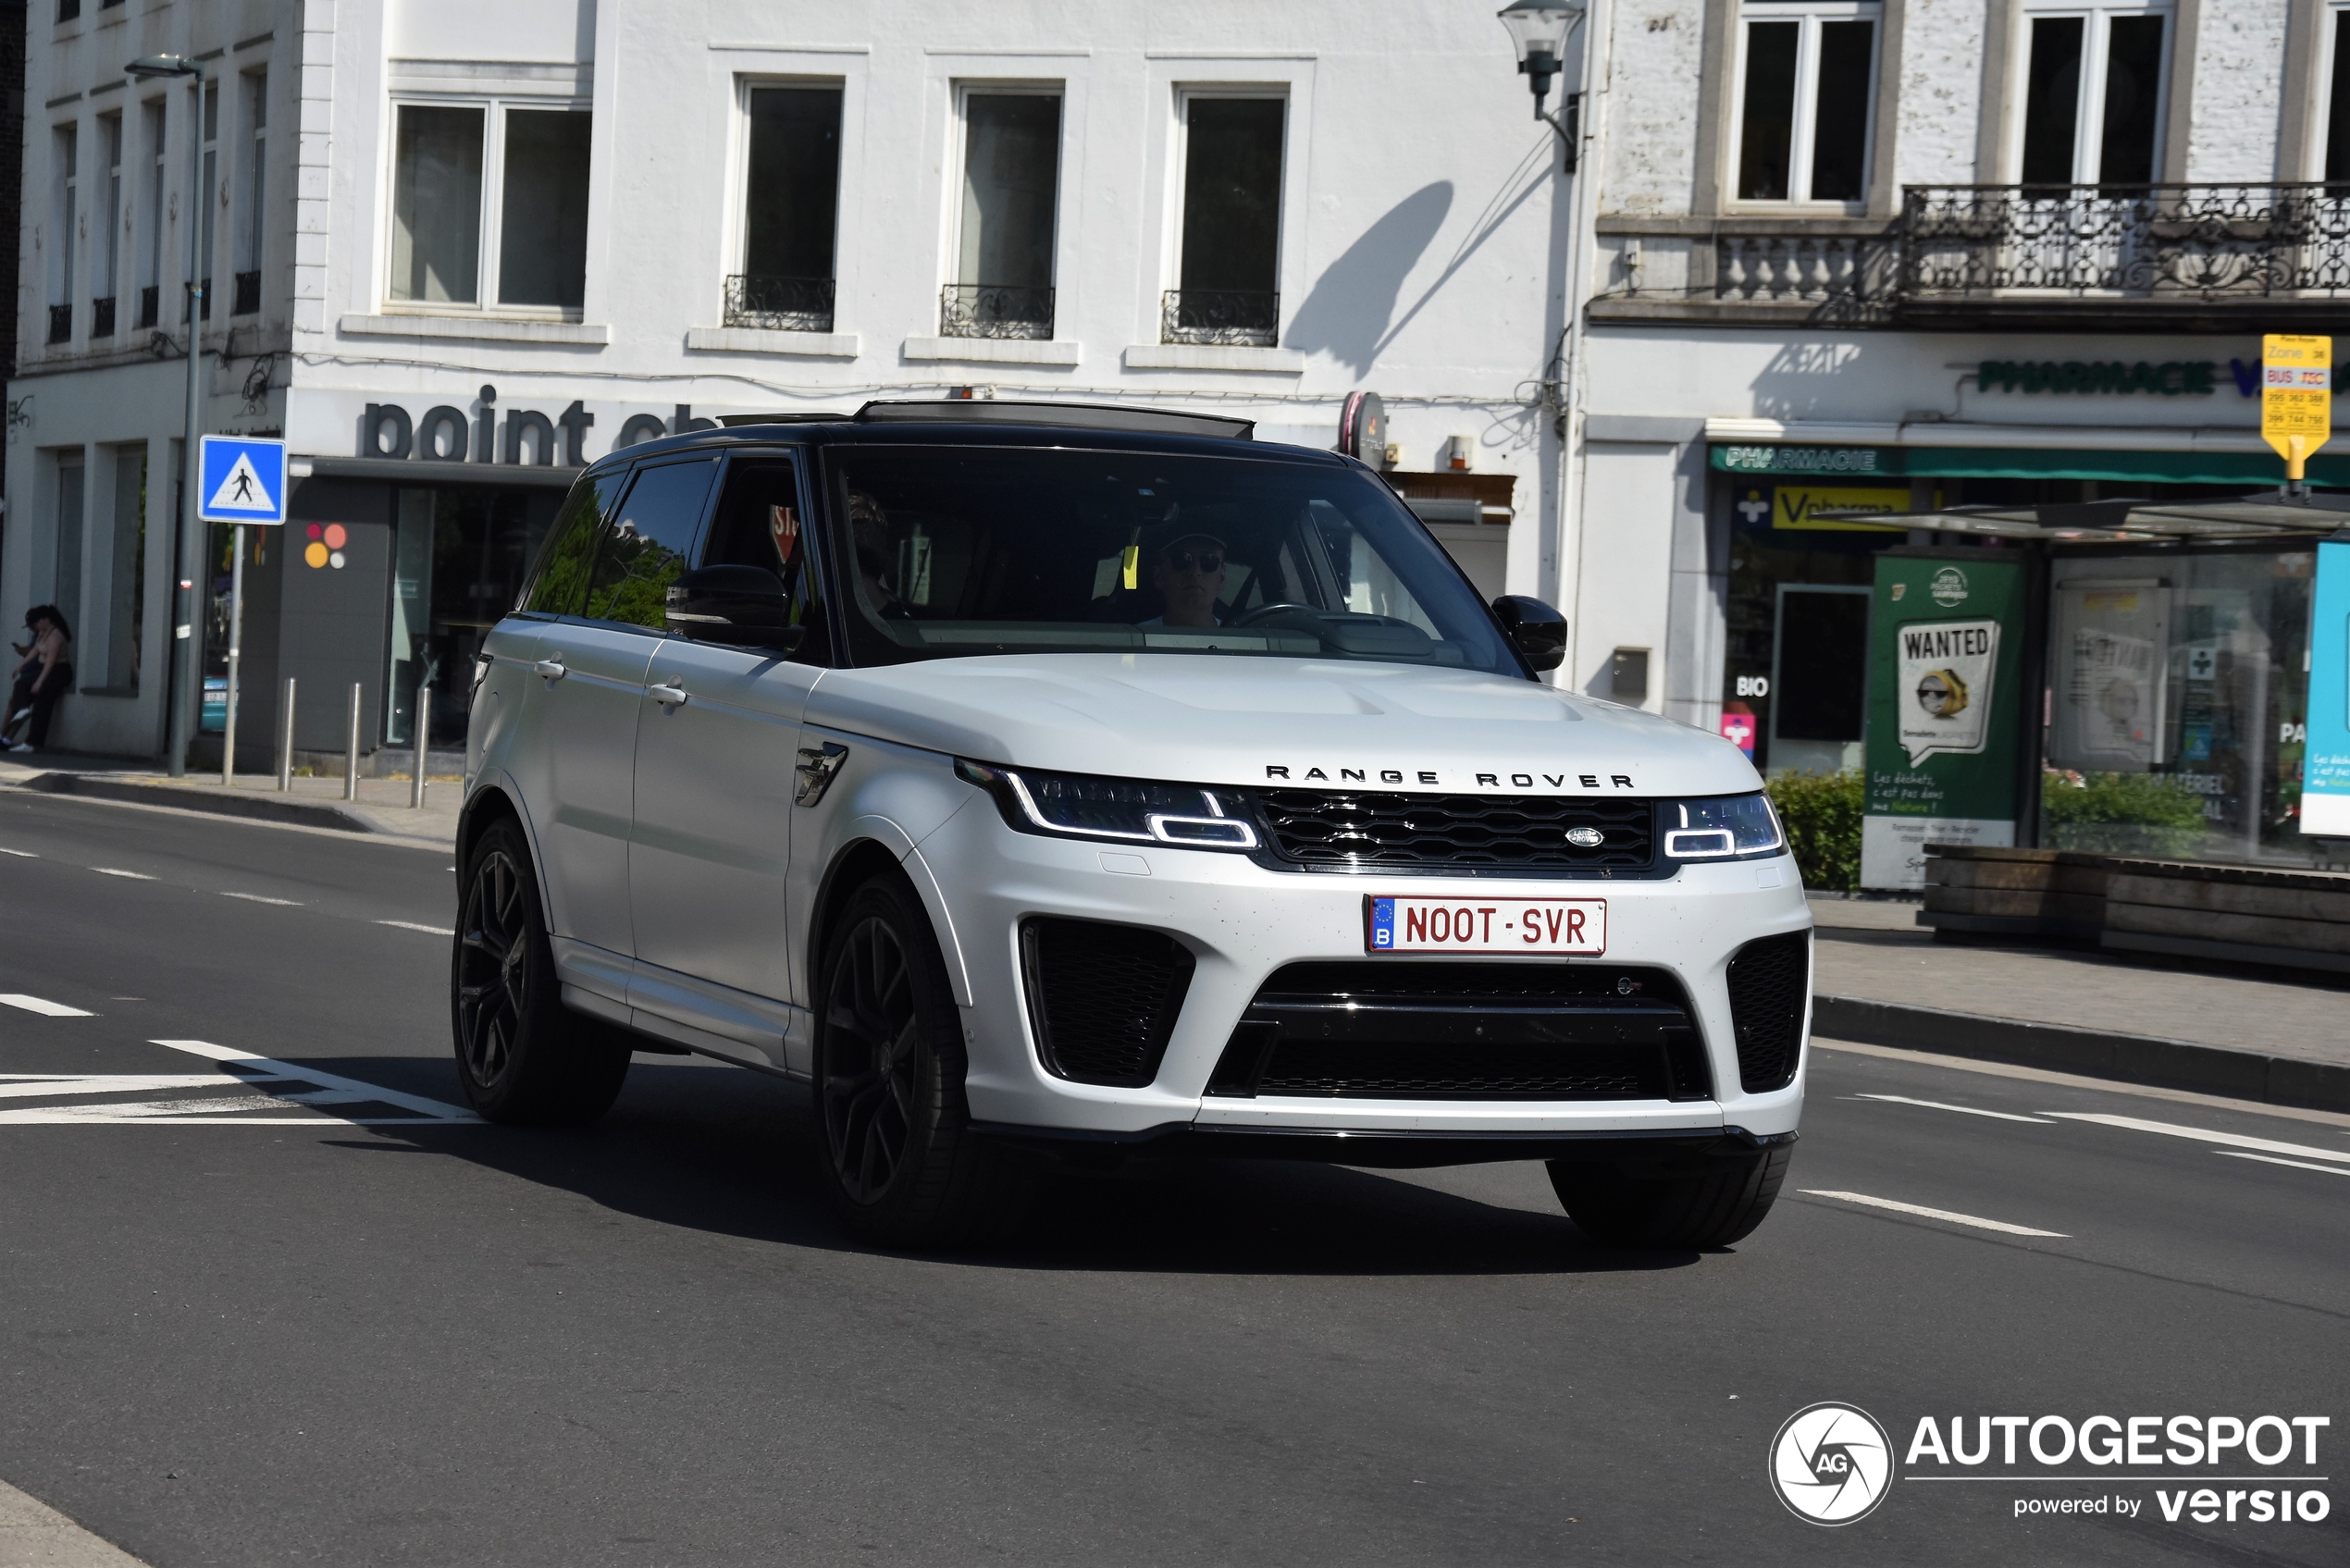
{"x": 1201, "y": 560}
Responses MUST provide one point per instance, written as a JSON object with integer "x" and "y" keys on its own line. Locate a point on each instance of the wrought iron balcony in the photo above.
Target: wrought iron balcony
{"x": 779, "y": 304}
{"x": 101, "y": 318}
{"x": 2209, "y": 256}
{"x": 60, "y": 324}
{"x": 994, "y": 310}
{"x": 150, "y": 305}
{"x": 1219, "y": 315}
{"x": 247, "y": 299}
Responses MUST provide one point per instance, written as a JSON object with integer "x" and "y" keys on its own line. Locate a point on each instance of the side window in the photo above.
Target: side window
{"x": 559, "y": 581}
{"x": 760, "y": 523}
{"x": 649, "y": 542}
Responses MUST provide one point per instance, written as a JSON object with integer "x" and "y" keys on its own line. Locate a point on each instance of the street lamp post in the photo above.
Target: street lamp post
{"x": 1538, "y": 30}
{"x": 186, "y": 648}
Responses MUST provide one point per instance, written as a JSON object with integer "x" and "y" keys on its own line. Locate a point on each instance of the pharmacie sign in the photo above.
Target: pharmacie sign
{"x": 2168, "y": 378}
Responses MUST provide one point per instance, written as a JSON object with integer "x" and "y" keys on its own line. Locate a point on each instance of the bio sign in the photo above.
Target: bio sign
{"x": 1946, "y": 710}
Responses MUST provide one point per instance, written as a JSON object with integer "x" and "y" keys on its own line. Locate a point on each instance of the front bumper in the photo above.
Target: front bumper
{"x": 1243, "y": 921}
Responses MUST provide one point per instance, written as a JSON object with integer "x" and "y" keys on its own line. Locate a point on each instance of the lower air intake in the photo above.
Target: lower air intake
{"x": 1102, "y": 999}
{"x": 1769, "y": 985}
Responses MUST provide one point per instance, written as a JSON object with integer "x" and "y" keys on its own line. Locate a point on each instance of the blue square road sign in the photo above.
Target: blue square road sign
{"x": 242, "y": 479}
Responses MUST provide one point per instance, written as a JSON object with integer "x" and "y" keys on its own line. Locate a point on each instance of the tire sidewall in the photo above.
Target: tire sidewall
{"x": 506, "y": 1099}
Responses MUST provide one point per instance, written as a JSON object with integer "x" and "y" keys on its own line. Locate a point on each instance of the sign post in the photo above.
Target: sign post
{"x": 2297, "y": 397}
{"x": 241, "y": 479}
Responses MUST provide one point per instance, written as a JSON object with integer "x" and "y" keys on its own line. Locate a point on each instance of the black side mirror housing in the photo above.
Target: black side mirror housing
{"x": 740, "y": 606}
{"x": 1539, "y": 631}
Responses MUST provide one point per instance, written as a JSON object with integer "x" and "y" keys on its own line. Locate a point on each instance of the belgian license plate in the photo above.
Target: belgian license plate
{"x": 1485, "y": 925}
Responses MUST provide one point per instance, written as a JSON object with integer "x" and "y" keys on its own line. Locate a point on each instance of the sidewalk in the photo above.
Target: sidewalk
{"x": 382, "y": 809}
{"x": 1880, "y": 978}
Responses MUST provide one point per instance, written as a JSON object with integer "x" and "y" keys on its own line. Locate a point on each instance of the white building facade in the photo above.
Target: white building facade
{"x": 453, "y": 251}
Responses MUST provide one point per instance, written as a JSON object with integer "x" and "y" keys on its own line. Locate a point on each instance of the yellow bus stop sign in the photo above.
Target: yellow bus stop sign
{"x": 2297, "y": 397}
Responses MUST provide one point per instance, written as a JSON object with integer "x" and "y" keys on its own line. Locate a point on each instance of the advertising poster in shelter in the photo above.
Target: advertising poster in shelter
{"x": 1946, "y": 710}
{"x": 2325, "y": 769}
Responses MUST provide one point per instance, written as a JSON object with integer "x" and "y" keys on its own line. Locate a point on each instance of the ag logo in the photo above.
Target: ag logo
{"x": 1949, "y": 586}
{"x": 1830, "y": 1463}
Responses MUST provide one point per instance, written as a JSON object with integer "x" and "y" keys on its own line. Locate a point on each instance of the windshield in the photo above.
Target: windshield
{"x": 963, "y": 551}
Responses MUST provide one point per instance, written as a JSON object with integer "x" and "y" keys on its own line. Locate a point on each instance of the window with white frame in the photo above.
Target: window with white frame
{"x": 106, "y": 252}
{"x": 65, "y": 213}
{"x": 252, "y": 189}
{"x": 2093, "y": 95}
{"x": 1229, "y": 266}
{"x": 1806, "y": 101}
{"x": 2333, "y": 157}
{"x": 151, "y": 165}
{"x": 791, "y": 201}
{"x": 454, "y": 164}
{"x": 1003, "y": 285}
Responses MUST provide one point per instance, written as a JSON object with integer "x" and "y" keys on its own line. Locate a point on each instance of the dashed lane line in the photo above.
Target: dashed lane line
{"x": 43, "y": 1005}
{"x": 410, "y": 925}
{"x": 1962, "y": 1110}
{"x": 1919, "y": 1209}
{"x": 258, "y": 898}
{"x": 2232, "y": 1139}
{"x": 118, "y": 872}
{"x": 2272, "y": 1159}
{"x": 233, "y": 1110}
{"x": 20, "y": 853}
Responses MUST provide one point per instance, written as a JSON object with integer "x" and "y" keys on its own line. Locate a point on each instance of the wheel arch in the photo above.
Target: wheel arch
{"x": 489, "y": 804}
{"x": 858, "y": 860}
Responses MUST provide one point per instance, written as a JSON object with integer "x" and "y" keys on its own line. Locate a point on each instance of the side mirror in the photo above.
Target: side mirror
{"x": 1539, "y": 631}
{"x": 740, "y": 606}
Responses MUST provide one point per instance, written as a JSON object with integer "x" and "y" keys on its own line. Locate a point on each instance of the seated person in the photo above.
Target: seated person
{"x": 868, "y": 528}
{"x": 1189, "y": 574}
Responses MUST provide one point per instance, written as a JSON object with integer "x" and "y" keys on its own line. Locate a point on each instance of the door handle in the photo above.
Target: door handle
{"x": 553, "y": 669}
{"x": 667, "y": 696}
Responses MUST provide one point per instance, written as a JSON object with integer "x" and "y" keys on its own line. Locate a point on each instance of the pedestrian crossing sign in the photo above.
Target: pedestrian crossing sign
{"x": 242, "y": 479}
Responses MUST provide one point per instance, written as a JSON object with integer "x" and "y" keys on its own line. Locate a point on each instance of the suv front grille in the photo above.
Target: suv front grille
{"x": 1344, "y": 830}
{"x": 1403, "y": 1029}
{"x": 1102, "y": 999}
{"x": 1769, "y": 981}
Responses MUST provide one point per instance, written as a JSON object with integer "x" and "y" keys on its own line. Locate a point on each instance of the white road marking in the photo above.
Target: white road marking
{"x": 2232, "y": 1140}
{"x": 34, "y": 1532}
{"x": 20, "y": 854}
{"x": 117, "y": 1083}
{"x": 257, "y": 898}
{"x": 1934, "y": 1213}
{"x": 2272, "y": 1159}
{"x": 2063, "y": 1079}
{"x": 441, "y": 1109}
{"x": 1962, "y": 1110}
{"x": 112, "y": 872}
{"x": 45, "y": 1008}
{"x": 410, "y": 925}
{"x": 217, "y": 1110}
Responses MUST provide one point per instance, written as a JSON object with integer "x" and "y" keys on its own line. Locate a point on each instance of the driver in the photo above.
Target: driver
{"x": 1189, "y": 574}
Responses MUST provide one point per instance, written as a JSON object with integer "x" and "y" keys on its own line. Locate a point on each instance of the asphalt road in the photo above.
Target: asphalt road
{"x": 338, "y": 1329}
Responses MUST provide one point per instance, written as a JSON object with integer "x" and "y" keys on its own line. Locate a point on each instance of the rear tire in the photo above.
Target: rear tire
{"x": 523, "y": 1057}
{"x": 894, "y": 1151}
{"x": 1620, "y": 1207}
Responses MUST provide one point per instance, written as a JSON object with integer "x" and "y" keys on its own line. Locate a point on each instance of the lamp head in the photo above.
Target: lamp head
{"x": 1538, "y": 30}
{"x": 149, "y": 66}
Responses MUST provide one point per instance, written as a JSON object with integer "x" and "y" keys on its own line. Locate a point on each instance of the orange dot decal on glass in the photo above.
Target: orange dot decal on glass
{"x": 317, "y": 532}
{"x": 314, "y": 554}
{"x": 336, "y": 536}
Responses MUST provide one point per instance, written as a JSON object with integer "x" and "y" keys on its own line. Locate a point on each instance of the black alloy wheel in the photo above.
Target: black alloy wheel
{"x": 894, "y": 1150}
{"x": 522, "y": 1056}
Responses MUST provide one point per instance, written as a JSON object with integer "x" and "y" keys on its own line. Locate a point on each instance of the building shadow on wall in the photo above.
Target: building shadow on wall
{"x": 1347, "y": 314}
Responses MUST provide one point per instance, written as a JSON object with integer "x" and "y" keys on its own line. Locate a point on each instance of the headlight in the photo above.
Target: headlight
{"x": 1725, "y": 827}
{"x": 1124, "y": 810}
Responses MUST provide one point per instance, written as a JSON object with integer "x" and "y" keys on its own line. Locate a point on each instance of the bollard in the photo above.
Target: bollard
{"x": 285, "y": 751}
{"x": 350, "y": 750}
{"x": 423, "y": 741}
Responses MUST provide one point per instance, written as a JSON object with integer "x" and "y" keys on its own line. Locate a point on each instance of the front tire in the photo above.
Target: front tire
{"x": 523, "y": 1057}
{"x": 1626, "y": 1208}
{"x": 894, "y": 1151}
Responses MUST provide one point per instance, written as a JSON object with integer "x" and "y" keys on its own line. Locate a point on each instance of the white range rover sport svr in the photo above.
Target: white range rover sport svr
{"x": 1038, "y": 781}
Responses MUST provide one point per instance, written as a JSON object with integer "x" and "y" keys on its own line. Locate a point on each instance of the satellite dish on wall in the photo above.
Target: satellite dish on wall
{"x": 1362, "y": 429}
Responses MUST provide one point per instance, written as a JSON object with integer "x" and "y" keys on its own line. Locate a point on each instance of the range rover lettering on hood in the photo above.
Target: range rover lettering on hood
{"x": 1294, "y": 774}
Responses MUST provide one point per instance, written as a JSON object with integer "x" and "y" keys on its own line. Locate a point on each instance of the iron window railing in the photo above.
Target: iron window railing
{"x": 2204, "y": 243}
{"x": 60, "y": 324}
{"x": 101, "y": 318}
{"x": 150, "y": 305}
{"x": 994, "y": 310}
{"x": 1219, "y": 315}
{"x": 779, "y": 304}
{"x": 247, "y": 301}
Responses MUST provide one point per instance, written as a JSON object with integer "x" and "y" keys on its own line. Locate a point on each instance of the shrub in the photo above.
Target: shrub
{"x": 1821, "y": 813}
{"x": 2119, "y": 813}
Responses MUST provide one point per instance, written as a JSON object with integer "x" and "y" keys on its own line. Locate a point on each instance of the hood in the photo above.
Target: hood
{"x": 1311, "y": 724}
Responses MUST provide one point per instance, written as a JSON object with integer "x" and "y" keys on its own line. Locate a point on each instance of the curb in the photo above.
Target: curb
{"x": 307, "y": 813}
{"x": 2132, "y": 1058}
